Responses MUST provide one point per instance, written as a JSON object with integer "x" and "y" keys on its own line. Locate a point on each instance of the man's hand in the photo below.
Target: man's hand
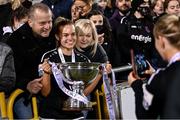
{"x": 35, "y": 86}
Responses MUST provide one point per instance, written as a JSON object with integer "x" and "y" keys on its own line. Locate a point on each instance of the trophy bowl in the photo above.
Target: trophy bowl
{"x": 79, "y": 74}
{"x": 80, "y": 71}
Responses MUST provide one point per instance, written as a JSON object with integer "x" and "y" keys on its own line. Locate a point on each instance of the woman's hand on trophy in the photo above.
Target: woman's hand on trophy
{"x": 46, "y": 67}
{"x": 108, "y": 68}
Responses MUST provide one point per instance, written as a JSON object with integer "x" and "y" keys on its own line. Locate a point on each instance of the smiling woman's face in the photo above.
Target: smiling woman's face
{"x": 67, "y": 38}
{"x": 85, "y": 38}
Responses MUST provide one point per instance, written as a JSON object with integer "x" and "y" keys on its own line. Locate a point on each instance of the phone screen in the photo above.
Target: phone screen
{"x": 139, "y": 64}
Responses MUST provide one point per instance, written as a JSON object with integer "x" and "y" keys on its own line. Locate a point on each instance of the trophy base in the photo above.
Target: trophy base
{"x": 75, "y": 105}
{"x": 78, "y": 109}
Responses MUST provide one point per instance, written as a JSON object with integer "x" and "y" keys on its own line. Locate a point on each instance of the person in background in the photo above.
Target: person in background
{"x": 83, "y": 7}
{"x": 172, "y": 6}
{"x": 116, "y": 21}
{"x": 75, "y": 14}
{"x": 122, "y": 10}
{"x": 27, "y": 3}
{"x": 7, "y": 70}
{"x": 136, "y": 33}
{"x": 103, "y": 29}
{"x": 80, "y": 9}
{"x": 17, "y": 3}
{"x": 59, "y": 7}
{"x": 152, "y": 98}
{"x": 5, "y": 14}
{"x": 29, "y": 43}
{"x": 101, "y": 4}
{"x": 18, "y": 18}
{"x": 87, "y": 44}
{"x": 104, "y": 7}
{"x": 157, "y": 7}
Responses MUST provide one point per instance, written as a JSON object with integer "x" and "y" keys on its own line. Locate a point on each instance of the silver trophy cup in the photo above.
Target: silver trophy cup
{"x": 78, "y": 75}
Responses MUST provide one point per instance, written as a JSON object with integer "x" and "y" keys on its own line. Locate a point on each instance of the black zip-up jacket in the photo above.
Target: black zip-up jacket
{"x": 27, "y": 53}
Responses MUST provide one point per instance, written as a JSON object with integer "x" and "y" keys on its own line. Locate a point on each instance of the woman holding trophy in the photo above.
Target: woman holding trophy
{"x": 53, "y": 97}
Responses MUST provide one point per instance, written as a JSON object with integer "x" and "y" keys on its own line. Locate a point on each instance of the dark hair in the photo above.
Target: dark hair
{"x": 59, "y": 25}
{"x": 106, "y": 24}
{"x": 95, "y": 12}
{"x": 19, "y": 13}
{"x": 153, "y": 4}
{"x": 166, "y": 2}
{"x": 88, "y": 2}
{"x": 135, "y": 4}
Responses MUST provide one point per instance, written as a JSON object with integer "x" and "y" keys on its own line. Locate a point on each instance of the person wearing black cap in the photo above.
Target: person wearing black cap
{"x": 135, "y": 4}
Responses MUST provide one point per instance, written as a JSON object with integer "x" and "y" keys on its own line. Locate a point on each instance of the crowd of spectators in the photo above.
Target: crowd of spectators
{"x": 103, "y": 31}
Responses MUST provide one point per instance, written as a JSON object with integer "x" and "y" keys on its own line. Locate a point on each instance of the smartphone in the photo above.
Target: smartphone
{"x": 139, "y": 64}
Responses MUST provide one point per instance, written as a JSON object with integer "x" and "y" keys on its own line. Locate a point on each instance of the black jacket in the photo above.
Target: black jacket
{"x": 27, "y": 53}
{"x": 159, "y": 88}
{"x": 51, "y": 106}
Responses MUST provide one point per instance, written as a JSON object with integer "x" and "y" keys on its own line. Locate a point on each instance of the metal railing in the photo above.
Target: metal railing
{"x": 10, "y": 104}
{"x": 3, "y": 105}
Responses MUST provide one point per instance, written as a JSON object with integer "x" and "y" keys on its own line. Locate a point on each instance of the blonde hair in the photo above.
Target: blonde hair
{"x": 168, "y": 26}
{"x": 15, "y": 4}
{"x": 82, "y": 27}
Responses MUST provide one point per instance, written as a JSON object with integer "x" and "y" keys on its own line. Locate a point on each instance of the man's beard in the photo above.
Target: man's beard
{"x": 124, "y": 12}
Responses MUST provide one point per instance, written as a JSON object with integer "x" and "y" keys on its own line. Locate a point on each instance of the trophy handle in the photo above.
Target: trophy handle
{"x": 65, "y": 79}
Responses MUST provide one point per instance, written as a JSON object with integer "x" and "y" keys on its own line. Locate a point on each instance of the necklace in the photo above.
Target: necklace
{"x": 62, "y": 56}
